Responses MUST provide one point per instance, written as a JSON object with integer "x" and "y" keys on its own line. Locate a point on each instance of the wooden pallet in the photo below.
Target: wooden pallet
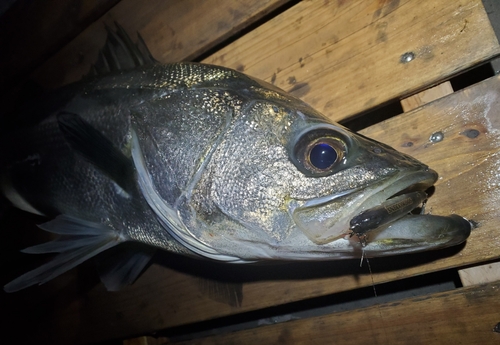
{"x": 344, "y": 58}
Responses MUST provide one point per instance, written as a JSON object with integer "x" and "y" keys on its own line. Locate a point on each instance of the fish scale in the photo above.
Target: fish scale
{"x": 205, "y": 161}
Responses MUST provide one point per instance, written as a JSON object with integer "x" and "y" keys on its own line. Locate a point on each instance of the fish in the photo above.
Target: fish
{"x": 204, "y": 161}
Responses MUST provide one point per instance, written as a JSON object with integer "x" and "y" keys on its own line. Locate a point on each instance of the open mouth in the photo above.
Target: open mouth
{"x": 395, "y": 223}
{"x": 410, "y": 199}
{"x": 327, "y": 219}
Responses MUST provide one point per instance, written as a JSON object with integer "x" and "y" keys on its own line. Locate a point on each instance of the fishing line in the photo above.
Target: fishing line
{"x": 363, "y": 256}
{"x": 362, "y": 241}
{"x": 371, "y": 276}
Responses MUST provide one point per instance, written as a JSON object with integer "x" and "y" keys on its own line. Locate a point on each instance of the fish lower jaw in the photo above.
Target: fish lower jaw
{"x": 400, "y": 198}
{"x": 312, "y": 216}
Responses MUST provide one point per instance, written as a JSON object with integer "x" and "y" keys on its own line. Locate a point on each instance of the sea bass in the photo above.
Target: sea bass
{"x": 205, "y": 161}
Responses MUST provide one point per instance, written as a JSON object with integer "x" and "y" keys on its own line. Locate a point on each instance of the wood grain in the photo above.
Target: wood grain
{"x": 350, "y": 57}
{"x": 344, "y": 57}
{"x": 427, "y": 96}
{"x": 480, "y": 274}
{"x": 462, "y": 316}
{"x": 175, "y": 30}
{"x": 469, "y": 185}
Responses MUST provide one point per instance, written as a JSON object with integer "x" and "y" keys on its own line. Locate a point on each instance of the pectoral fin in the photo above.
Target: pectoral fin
{"x": 78, "y": 241}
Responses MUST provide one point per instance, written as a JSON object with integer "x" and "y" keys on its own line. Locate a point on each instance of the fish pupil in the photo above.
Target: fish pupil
{"x": 322, "y": 156}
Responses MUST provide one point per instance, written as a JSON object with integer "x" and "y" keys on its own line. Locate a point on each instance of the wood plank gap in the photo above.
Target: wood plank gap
{"x": 462, "y": 316}
{"x": 426, "y": 96}
{"x": 480, "y": 274}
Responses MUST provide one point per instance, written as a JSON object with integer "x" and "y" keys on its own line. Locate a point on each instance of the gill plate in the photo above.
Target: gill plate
{"x": 167, "y": 216}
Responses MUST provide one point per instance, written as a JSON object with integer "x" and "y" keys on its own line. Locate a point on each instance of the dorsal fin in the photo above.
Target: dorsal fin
{"x": 120, "y": 53}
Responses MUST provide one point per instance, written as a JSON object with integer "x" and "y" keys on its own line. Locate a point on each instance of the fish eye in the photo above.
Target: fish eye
{"x": 322, "y": 154}
{"x": 319, "y": 152}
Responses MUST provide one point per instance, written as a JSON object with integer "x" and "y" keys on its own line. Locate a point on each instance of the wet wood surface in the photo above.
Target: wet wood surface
{"x": 462, "y": 316}
{"x": 343, "y": 58}
{"x": 346, "y": 57}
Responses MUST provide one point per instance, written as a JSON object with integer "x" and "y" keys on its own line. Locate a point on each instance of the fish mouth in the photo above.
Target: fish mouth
{"x": 382, "y": 219}
{"x": 322, "y": 220}
{"x": 410, "y": 199}
{"x": 399, "y": 226}
{"x": 414, "y": 233}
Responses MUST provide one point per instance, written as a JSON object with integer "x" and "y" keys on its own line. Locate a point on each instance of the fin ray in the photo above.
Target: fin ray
{"x": 120, "y": 53}
{"x": 124, "y": 266}
{"x": 60, "y": 245}
{"x": 88, "y": 240}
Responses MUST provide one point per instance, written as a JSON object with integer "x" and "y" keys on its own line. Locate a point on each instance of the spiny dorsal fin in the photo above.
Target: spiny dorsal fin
{"x": 120, "y": 53}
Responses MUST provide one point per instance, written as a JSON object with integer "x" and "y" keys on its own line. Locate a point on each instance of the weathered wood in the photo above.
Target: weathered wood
{"x": 323, "y": 52}
{"x": 345, "y": 57}
{"x": 469, "y": 185}
{"x": 480, "y": 274}
{"x": 174, "y": 30}
{"x": 461, "y": 316}
{"x": 427, "y": 96}
{"x": 164, "y": 297}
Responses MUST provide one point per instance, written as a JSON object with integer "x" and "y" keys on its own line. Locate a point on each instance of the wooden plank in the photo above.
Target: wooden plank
{"x": 174, "y": 30}
{"x": 342, "y": 57}
{"x": 164, "y": 297}
{"x": 427, "y": 96}
{"x": 345, "y": 57}
{"x": 31, "y": 31}
{"x": 469, "y": 171}
{"x": 462, "y": 316}
{"x": 480, "y": 274}
{"x": 469, "y": 185}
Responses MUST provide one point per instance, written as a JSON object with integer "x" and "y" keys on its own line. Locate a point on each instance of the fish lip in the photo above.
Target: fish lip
{"x": 421, "y": 184}
{"x": 324, "y": 230}
{"x": 412, "y": 182}
{"x": 421, "y": 232}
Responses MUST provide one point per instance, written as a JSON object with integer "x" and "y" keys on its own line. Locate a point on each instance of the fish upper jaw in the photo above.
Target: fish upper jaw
{"x": 323, "y": 220}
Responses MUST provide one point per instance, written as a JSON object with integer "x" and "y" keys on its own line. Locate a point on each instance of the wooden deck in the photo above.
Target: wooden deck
{"x": 345, "y": 58}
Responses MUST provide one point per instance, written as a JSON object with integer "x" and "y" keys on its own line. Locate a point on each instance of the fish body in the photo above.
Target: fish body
{"x": 205, "y": 161}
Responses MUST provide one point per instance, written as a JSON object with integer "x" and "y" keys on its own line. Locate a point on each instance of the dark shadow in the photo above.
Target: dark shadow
{"x": 279, "y": 270}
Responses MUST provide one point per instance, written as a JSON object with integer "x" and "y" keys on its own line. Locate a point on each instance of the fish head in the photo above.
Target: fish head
{"x": 362, "y": 173}
{"x": 287, "y": 182}
{"x": 249, "y": 172}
